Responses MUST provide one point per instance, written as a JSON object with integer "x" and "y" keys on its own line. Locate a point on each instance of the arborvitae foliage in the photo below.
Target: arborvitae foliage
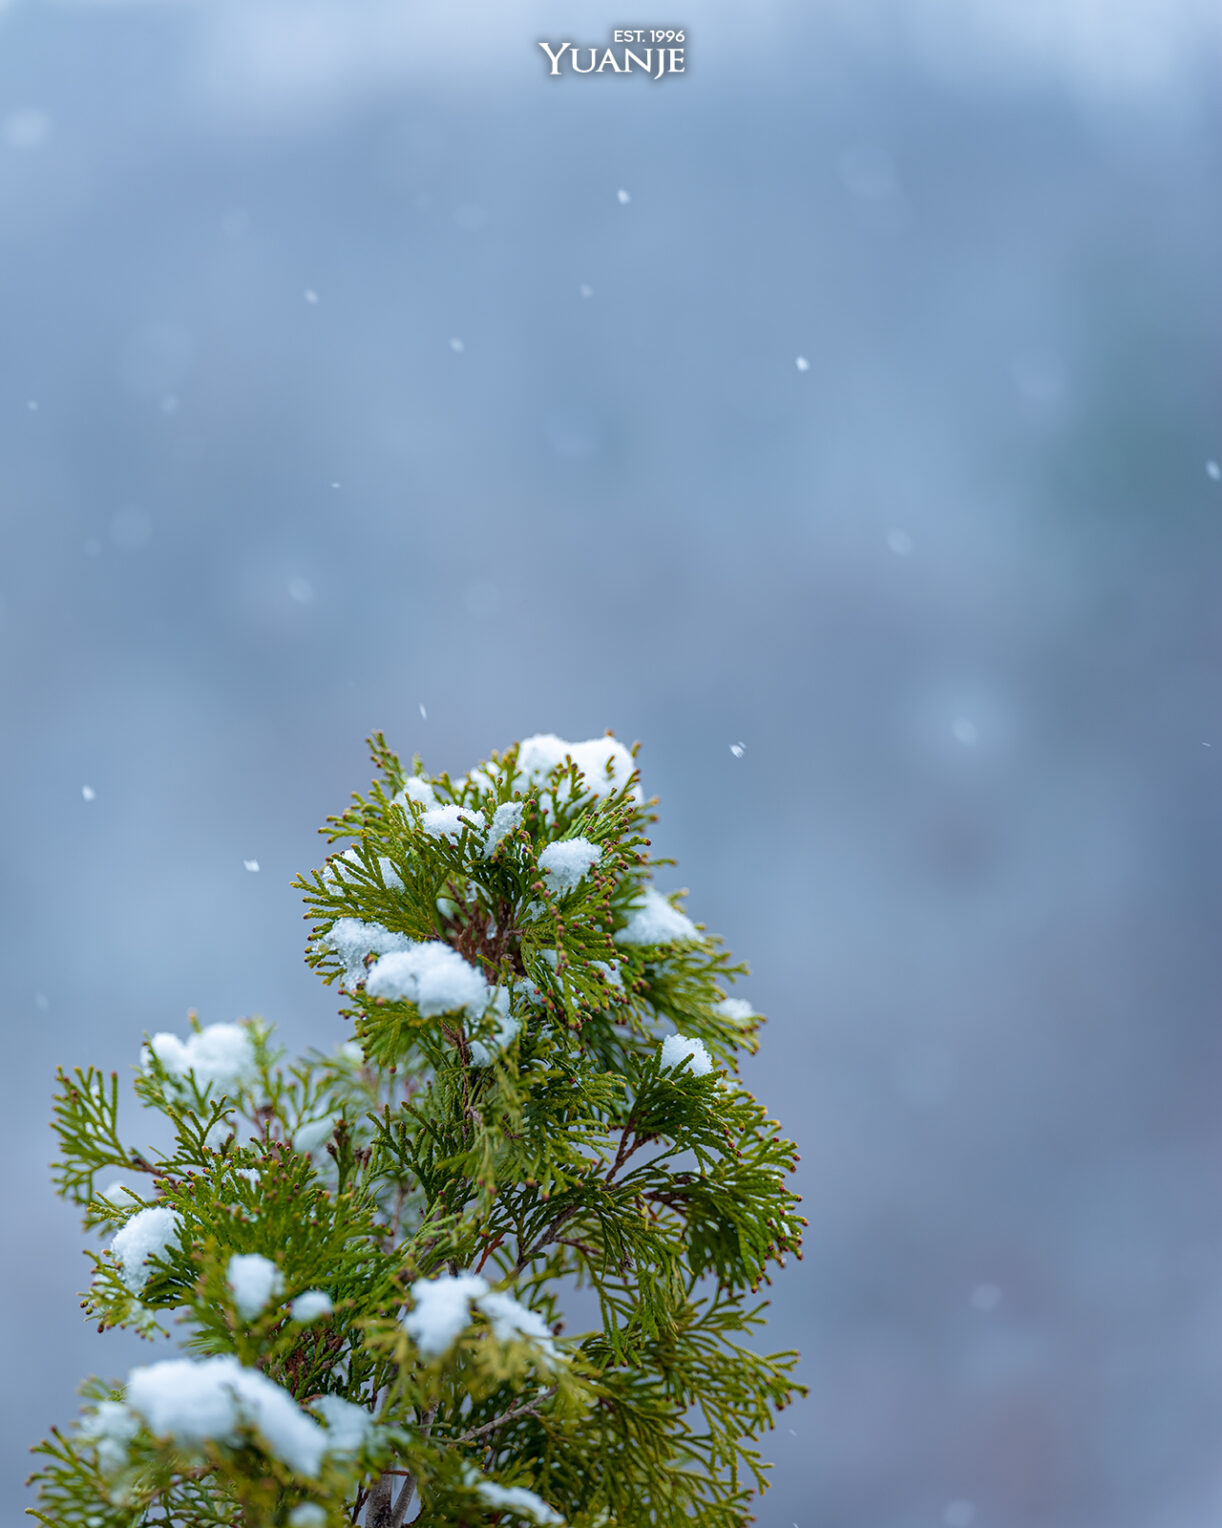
{"x": 371, "y": 1253}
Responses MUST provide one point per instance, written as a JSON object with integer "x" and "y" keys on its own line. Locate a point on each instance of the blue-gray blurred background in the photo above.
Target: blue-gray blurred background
{"x": 875, "y": 433}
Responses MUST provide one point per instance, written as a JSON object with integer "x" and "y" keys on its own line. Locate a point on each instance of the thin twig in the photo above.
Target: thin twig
{"x": 626, "y": 1150}
{"x": 546, "y": 1239}
{"x": 526, "y": 1409}
{"x": 409, "y": 1485}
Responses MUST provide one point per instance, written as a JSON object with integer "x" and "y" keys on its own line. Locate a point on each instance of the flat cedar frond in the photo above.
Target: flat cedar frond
{"x": 370, "y": 1252}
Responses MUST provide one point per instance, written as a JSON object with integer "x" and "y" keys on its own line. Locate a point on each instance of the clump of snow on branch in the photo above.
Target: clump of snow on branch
{"x": 145, "y": 1236}
{"x": 432, "y": 975}
{"x": 221, "y": 1054}
{"x": 655, "y": 921}
{"x": 312, "y": 1305}
{"x": 736, "y": 1009}
{"x": 441, "y": 1312}
{"x": 677, "y": 1048}
{"x": 348, "y": 1426}
{"x": 566, "y": 863}
{"x": 334, "y": 871}
{"x": 111, "y": 1428}
{"x": 519, "y": 1500}
{"x": 604, "y": 761}
{"x": 511, "y": 1320}
{"x": 417, "y": 789}
{"x": 352, "y": 940}
{"x": 506, "y": 819}
{"x": 253, "y": 1279}
{"x": 210, "y": 1400}
{"x": 451, "y": 821}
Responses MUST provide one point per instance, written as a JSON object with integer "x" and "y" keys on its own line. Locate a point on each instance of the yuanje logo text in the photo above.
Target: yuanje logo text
{"x": 638, "y": 50}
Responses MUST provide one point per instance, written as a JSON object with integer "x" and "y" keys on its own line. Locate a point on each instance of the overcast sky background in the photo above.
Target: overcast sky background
{"x": 337, "y": 380}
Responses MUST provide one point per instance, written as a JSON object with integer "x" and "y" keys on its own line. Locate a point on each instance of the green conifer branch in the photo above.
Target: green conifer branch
{"x": 369, "y": 1252}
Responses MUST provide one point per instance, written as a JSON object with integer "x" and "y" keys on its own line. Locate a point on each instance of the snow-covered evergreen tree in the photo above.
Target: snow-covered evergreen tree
{"x": 370, "y": 1252}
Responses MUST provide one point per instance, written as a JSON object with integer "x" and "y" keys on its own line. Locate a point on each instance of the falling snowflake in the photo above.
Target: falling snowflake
{"x": 456, "y": 346}
{"x": 311, "y": 296}
{"x": 900, "y": 542}
{"x": 88, "y": 792}
{"x": 623, "y": 196}
{"x": 586, "y": 291}
{"x": 738, "y": 749}
{"x": 1214, "y": 471}
{"x": 26, "y": 129}
{"x": 301, "y": 590}
{"x": 251, "y": 865}
{"x": 424, "y": 715}
{"x": 802, "y": 363}
{"x": 965, "y": 732}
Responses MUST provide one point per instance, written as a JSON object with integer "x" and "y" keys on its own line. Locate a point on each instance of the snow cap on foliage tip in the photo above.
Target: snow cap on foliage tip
{"x": 451, "y": 821}
{"x": 520, "y": 1501}
{"x": 390, "y": 875}
{"x": 311, "y": 1305}
{"x": 655, "y": 921}
{"x": 145, "y": 1236}
{"x": 416, "y": 788}
{"x": 736, "y": 1009}
{"x": 566, "y": 863}
{"x": 348, "y": 1425}
{"x": 351, "y": 939}
{"x": 196, "y": 1402}
{"x": 539, "y": 755}
{"x": 221, "y": 1054}
{"x": 111, "y": 1428}
{"x": 441, "y": 1312}
{"x": 506, "y": 819}
{"x": 253, "y": 1279}
{"x": 677, "y": 1048}
{"x": 432, "y": 975}
{"x": 511, "y": 1319}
